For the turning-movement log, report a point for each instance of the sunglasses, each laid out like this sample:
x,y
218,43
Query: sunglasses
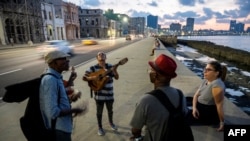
x,y
62,59
208,70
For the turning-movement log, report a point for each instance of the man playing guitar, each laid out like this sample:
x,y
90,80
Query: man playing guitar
x,y
105,94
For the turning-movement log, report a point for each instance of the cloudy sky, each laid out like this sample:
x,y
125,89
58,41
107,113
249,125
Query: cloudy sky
x,y
208,14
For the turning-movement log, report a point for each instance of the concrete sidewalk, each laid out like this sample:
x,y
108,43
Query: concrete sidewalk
x,y
133,83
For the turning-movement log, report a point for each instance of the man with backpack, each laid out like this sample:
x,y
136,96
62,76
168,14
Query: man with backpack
x,y
54,102
151,111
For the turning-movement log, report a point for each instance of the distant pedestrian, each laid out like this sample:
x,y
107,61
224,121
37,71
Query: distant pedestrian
x,y
156,46
209,98
11,41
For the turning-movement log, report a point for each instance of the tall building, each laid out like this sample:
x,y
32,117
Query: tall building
x,y
137,25
240,27
236,27
175,28
190,24
152,21
232,25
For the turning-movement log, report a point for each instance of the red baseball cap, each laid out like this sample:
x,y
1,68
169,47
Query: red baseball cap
x,y
164,65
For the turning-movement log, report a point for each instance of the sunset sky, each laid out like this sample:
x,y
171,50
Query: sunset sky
x,y
208,14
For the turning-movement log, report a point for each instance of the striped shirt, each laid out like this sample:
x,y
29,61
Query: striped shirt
x,y
106,93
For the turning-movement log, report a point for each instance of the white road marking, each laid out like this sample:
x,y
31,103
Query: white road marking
x,y
10,72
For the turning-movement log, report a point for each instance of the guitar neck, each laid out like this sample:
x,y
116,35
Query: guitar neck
x,y
72,75
70,81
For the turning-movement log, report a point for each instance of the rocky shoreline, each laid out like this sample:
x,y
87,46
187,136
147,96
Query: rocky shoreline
x,y
236,57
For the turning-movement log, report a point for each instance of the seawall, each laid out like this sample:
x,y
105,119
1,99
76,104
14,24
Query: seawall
x,y
238,57
168,40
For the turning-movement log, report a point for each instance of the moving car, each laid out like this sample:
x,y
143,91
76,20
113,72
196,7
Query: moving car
x,y
61,45
89,41
128,37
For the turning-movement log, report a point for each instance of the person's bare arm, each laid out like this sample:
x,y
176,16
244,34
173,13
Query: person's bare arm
x,y
218,95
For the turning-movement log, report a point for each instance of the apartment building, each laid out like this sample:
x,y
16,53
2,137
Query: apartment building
x,y
21,22
71,20
53,20
93,23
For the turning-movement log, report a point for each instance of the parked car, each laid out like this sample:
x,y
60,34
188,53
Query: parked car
x,y
61,45
89,41
128,37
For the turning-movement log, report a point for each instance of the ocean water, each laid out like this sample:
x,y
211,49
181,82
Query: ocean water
x,y
237,42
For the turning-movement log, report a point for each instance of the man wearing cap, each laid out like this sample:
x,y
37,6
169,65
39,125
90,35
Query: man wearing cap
x,y
106,94
149,111
54,102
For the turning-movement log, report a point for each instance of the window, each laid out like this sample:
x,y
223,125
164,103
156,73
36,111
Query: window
x,y
96,21
50,32
45,14
50,15
87,21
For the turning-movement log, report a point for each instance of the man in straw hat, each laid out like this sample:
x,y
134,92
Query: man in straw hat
x,y
54,102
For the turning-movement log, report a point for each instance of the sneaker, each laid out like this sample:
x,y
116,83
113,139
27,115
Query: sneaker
x,y
113,127
101,132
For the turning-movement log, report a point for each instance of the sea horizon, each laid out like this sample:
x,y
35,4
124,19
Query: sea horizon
x,y
236,42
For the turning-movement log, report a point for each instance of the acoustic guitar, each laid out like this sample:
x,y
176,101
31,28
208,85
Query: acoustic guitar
x,y
102,77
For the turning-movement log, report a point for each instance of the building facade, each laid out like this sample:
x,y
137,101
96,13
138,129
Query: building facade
x,y
137,25
175,28
190,24
93,23
232,27
123,21
152,21
53,20
236,27
21,22
71,21
53,24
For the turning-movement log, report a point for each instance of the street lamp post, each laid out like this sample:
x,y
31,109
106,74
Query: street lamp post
x,y
125,22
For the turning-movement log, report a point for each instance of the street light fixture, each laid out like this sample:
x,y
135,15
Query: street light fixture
x,y
124,22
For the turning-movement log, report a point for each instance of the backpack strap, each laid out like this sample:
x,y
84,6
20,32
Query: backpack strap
x,y
161,96
186,131
164,100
